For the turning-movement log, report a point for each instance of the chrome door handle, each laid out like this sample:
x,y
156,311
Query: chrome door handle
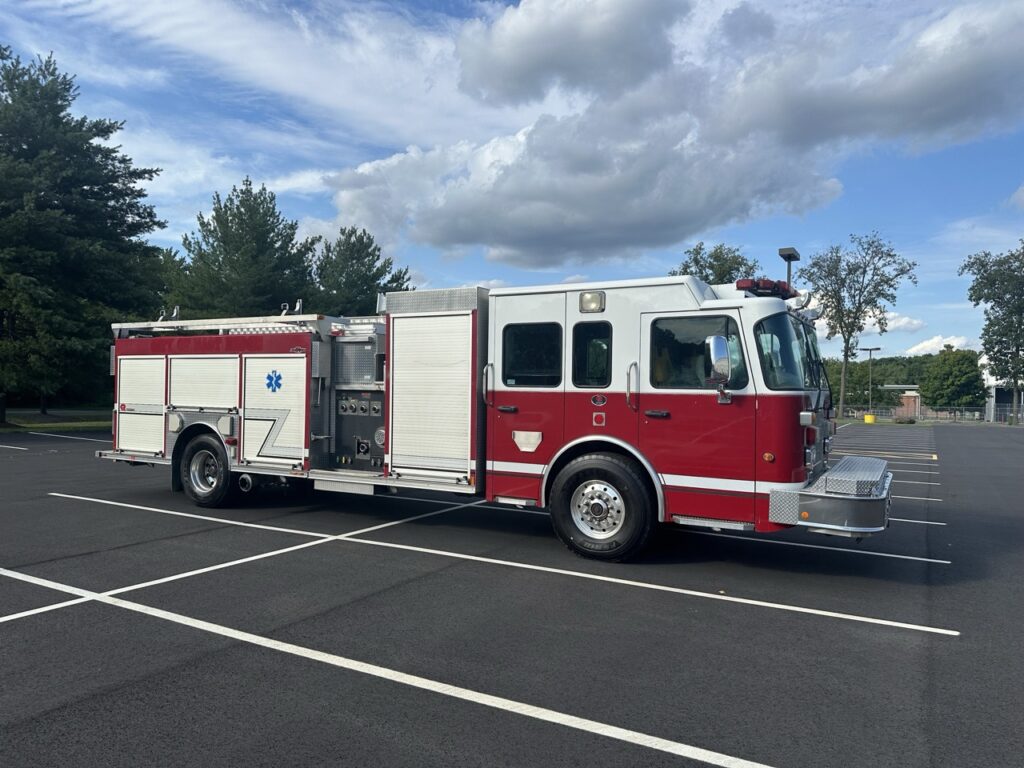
x,y
629,388
508,409
657,414
485,380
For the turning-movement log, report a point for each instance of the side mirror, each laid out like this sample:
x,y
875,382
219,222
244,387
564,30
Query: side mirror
x,y
717,351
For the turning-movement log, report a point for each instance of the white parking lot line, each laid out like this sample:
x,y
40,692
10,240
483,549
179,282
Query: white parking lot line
x,y
821,546
14,447
916,482
915,471
916,498
564,572
69,437
320,539
434,686
923,522
658,587
882,454
43,609
192,515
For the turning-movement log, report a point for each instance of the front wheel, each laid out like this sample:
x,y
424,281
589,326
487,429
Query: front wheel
x,y
204,472
601,507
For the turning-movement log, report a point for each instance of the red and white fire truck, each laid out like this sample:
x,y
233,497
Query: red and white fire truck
x,y
615,405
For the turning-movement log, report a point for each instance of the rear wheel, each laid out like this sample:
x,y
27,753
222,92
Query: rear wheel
x,y
204,472
601,507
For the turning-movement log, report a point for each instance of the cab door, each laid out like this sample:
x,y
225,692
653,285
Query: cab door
x,y
526,384
701,444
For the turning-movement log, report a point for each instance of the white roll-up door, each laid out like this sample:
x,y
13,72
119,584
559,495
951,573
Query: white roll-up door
x,y
431,392
141,383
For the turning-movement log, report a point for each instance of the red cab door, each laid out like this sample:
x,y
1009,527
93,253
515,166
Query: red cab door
x,y
701,444
526,407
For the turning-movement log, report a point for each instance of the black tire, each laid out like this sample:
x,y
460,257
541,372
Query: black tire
x,y
204,472
601,507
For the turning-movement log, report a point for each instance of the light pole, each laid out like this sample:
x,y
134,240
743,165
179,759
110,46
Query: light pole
x,y
869,350
789,255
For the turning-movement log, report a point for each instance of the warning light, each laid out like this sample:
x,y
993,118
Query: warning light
x,y
768,456
804,515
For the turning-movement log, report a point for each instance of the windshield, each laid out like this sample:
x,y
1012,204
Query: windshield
x,y
813,365
786,353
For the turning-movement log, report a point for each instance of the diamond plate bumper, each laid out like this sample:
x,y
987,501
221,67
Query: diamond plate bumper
x,y
851,499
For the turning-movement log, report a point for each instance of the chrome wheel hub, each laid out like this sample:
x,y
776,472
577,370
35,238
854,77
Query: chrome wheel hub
x,y
203,471
597,509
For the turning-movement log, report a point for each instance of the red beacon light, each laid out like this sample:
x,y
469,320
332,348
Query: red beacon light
x,y
765,287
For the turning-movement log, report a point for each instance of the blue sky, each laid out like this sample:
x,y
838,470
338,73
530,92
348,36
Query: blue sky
x,y
557,140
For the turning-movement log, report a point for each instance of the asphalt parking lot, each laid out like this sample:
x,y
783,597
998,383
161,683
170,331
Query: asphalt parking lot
x,y
136,629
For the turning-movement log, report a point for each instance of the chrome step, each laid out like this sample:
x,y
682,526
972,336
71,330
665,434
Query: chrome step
x,y
711,522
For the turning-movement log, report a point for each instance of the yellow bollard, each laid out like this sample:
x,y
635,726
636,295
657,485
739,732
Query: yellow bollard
x,y
869,418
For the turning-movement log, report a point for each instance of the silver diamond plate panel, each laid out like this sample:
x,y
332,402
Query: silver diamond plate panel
x,y
354,362
855,476
784,507
440,300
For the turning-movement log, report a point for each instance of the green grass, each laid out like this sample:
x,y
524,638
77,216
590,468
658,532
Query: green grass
x,y
63,419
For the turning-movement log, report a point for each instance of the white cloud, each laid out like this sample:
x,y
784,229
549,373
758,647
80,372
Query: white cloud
x,y
560,132
936,343
490,284
895,322
1017,198
303,182
596,46
387,79
688,145
575,279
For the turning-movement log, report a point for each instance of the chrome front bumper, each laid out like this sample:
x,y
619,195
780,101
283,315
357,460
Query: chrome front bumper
x,y
851,499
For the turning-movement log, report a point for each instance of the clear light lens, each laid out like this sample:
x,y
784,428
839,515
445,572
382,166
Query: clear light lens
x,y
592,301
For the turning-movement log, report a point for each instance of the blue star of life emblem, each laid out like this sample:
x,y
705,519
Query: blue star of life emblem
x,y
273,381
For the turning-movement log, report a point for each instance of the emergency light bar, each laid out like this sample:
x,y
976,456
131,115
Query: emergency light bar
x,y
765,287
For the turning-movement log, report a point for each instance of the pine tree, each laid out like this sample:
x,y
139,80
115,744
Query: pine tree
x,y
351,271
72,218
245,260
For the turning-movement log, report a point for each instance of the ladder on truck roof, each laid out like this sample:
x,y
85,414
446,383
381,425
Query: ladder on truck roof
x,y
322,324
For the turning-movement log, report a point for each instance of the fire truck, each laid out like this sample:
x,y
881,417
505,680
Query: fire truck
x,y
614,405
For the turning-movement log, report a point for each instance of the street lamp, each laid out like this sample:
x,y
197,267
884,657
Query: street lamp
x,y
869,350
789,255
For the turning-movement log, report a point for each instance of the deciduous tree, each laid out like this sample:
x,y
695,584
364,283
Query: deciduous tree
x,y
999,285
854,285
953,379
722,264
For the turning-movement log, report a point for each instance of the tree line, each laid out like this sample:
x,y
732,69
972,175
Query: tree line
x,y
74,256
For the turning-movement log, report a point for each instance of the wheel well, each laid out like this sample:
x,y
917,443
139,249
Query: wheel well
x,y
602,446
180,442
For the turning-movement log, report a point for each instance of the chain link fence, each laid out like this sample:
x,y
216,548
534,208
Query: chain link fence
x,y
1000,413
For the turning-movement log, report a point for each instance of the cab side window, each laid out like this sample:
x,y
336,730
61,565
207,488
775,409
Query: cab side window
x,y
592,354
532,355
679,358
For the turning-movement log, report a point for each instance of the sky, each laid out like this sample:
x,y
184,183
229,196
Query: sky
x,y
566,140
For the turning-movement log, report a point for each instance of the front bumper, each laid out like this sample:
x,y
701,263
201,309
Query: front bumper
x,y
851,499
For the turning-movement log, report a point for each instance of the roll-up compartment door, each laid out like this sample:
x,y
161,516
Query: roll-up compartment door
x,y
141,384
204,381
431,392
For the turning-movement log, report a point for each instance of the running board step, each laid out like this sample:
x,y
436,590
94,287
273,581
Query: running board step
x,y
711,522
